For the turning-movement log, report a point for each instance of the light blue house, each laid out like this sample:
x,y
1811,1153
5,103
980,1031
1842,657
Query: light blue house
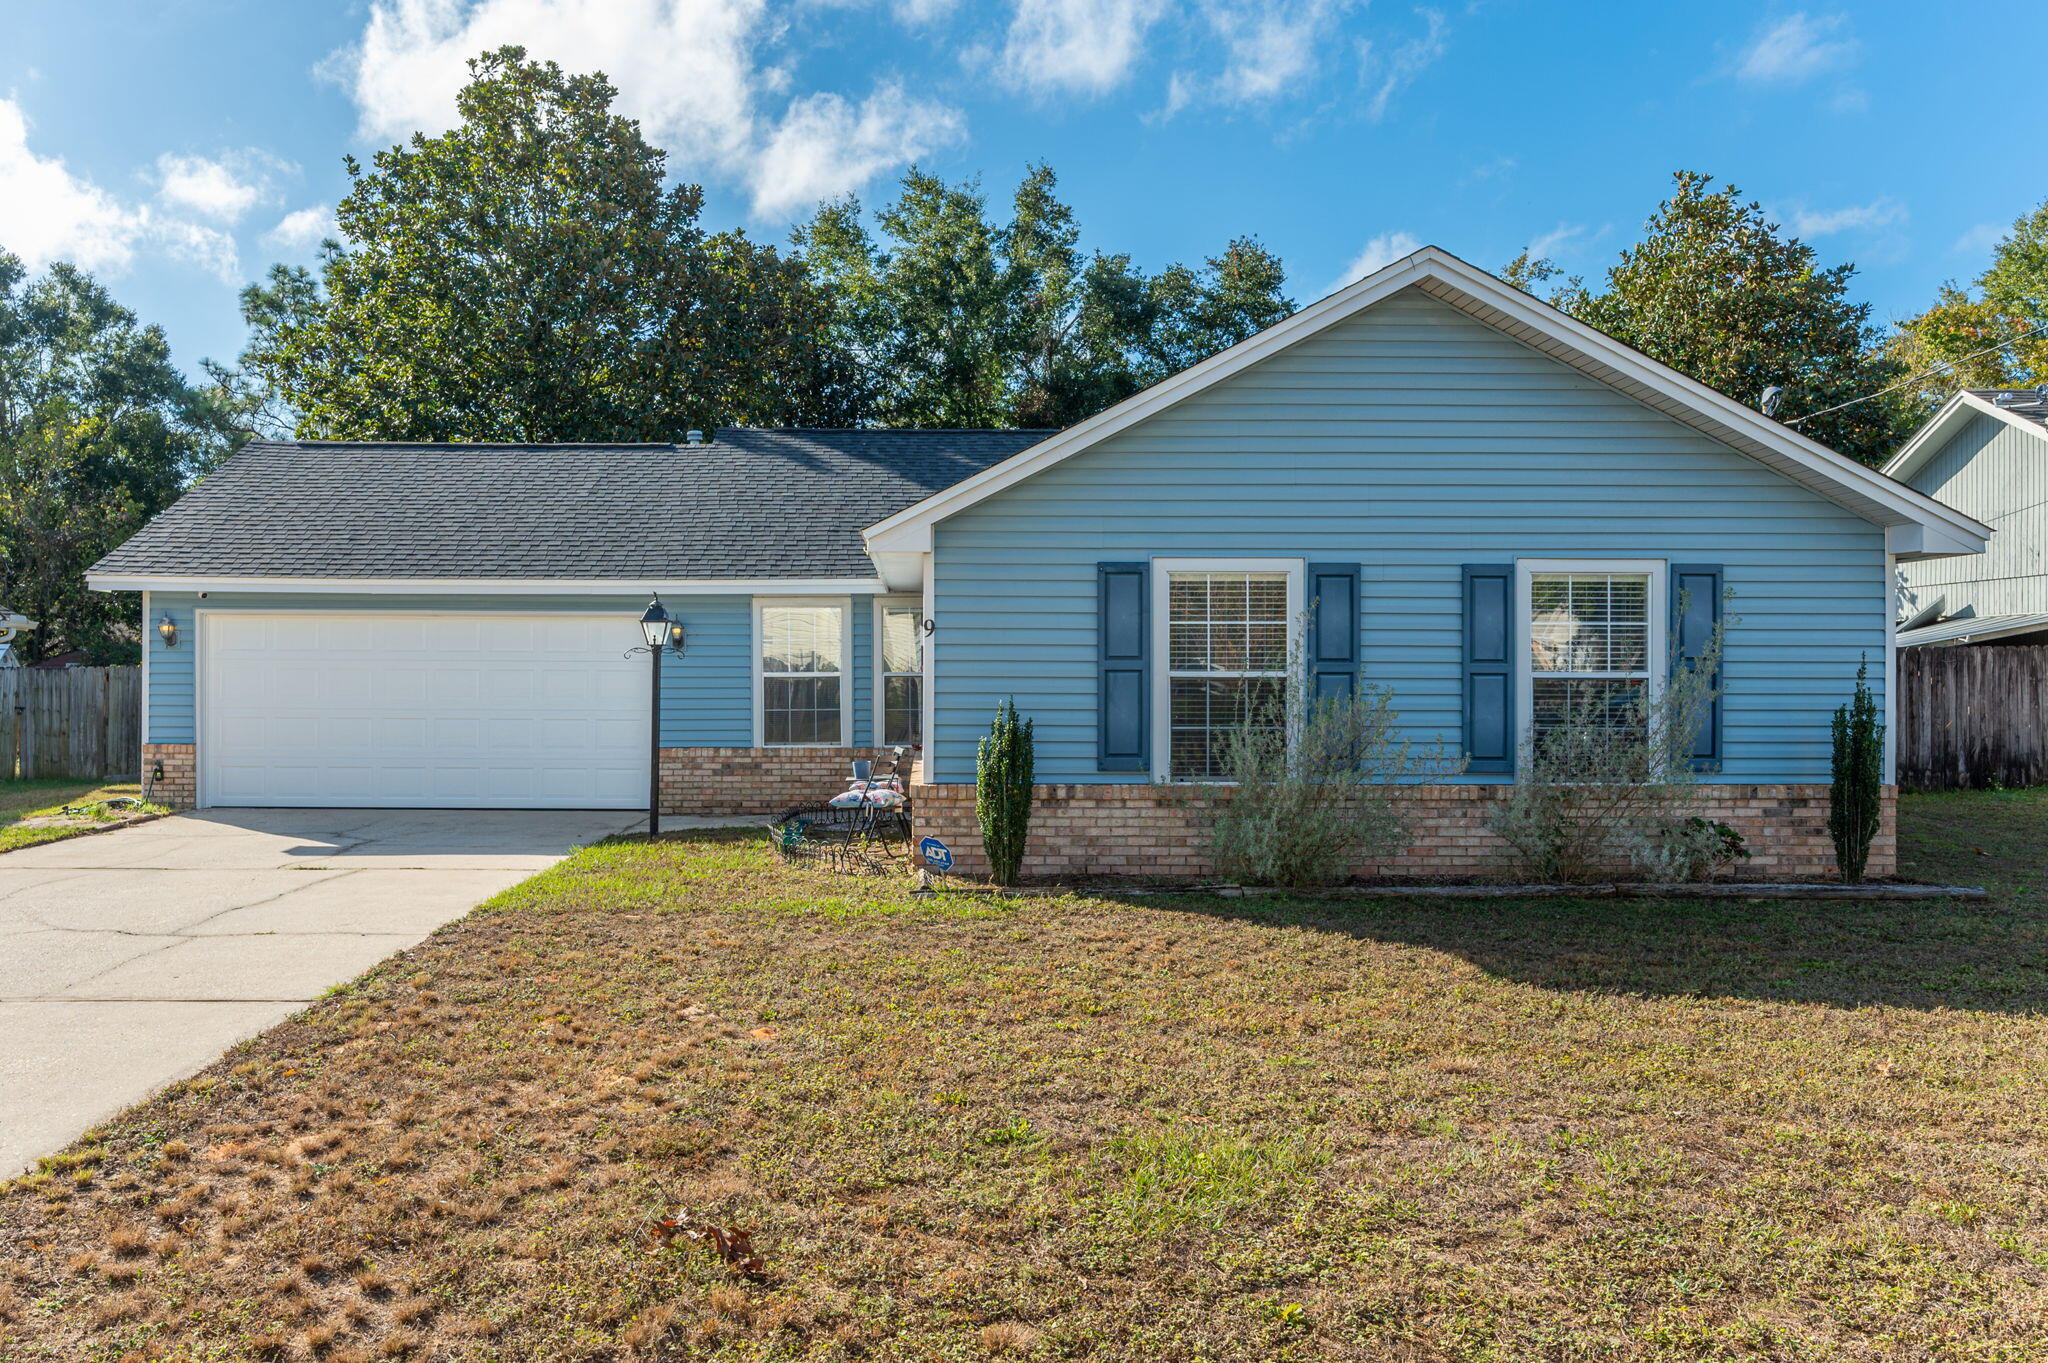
x,y
1429,480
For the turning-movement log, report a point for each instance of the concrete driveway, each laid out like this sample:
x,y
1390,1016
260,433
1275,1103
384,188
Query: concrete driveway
x,y
132,958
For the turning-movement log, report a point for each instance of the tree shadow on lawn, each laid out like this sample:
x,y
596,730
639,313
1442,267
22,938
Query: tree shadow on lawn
x,y
1986,955
1982,956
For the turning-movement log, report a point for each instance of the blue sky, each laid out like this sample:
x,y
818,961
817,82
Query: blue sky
x,y
177,147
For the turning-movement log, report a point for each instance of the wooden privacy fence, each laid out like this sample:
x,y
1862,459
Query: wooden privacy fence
x,y
1972,716
83,722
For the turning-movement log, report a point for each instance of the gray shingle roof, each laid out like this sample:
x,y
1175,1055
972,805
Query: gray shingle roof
x,y
2030,403
749,504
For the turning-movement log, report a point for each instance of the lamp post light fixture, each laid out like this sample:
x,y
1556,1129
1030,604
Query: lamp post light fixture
x,y
663,633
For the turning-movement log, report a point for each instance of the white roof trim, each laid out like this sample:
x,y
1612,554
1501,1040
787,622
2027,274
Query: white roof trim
x,y
487,586
1443,276
1953,416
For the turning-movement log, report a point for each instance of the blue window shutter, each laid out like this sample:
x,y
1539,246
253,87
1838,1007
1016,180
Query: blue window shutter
x,y
1695,610
1489,607
1123,739
1332,630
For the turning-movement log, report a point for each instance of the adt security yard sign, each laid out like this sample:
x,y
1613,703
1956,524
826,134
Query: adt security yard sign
x,y
936,854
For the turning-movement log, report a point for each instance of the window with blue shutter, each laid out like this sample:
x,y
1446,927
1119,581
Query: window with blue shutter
x,y
1332,630
1695,610
1489,680
1123,636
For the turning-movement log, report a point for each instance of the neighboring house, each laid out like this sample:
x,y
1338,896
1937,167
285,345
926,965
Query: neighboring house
x,y
1984,453
1396,482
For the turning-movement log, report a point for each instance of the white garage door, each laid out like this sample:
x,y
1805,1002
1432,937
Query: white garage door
x,y
456,711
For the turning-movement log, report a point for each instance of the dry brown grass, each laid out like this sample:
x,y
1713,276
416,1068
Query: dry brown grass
x,y
1059,1128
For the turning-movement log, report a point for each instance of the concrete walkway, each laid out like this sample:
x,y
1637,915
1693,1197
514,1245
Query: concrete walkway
x,y
132,958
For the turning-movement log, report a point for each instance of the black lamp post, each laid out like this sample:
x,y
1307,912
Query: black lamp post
x,y
662,632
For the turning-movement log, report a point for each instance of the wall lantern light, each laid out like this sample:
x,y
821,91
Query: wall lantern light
x,y
167,630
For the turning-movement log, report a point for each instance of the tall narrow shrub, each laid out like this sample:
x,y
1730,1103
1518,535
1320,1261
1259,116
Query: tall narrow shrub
x,y
1857,790
1002,792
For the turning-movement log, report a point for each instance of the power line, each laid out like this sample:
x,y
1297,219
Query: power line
x,y
1917,377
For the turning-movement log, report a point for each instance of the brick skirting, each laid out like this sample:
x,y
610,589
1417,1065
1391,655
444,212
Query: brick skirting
x,y
757,780
1160,831
180,785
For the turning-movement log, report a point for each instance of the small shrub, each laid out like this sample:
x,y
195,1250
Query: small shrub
x,y
1300,801
1608,790
1696,849
1002,792
1856,791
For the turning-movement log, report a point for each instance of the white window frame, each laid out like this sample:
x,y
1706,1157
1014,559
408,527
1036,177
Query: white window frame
x,y
1162,671
842,604
1659,608
915,605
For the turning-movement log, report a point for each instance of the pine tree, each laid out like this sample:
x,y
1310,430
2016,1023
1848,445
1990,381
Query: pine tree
x,y
1856,795
1002,792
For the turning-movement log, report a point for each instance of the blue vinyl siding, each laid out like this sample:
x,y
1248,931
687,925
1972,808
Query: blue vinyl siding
x,y
1410,439
707,695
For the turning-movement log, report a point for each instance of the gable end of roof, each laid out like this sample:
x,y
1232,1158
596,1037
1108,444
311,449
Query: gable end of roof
x,y
1916,525
1961,409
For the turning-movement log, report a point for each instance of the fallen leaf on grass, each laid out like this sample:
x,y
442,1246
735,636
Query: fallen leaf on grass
x,y
729,1244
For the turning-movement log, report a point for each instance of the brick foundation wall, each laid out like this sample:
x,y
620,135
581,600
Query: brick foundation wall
x,y
1160,832
180,787
720,781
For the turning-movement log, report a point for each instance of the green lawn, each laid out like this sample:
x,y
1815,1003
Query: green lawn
x,y
1160,1128
45,799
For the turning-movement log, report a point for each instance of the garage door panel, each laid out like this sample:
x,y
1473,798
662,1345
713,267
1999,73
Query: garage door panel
x,y
404,684
315,709
459,685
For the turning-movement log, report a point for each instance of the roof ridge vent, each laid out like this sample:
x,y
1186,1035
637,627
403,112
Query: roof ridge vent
x,y
693,437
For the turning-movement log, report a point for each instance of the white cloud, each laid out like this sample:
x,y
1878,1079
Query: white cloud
x,y
47,213
1387,76
209,248
1079,47
691,71
1796,48
1980,240
223,188
1553,241
1274,48
301,228
1882,211
1382,251
825,144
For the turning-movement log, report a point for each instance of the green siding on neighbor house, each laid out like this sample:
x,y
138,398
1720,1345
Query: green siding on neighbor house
x,y
1409,439
707,695
1998,473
